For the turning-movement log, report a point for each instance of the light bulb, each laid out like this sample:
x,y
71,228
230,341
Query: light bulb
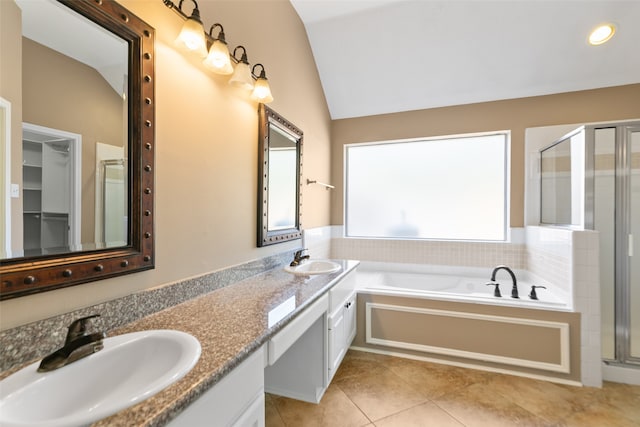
x,y
602,34
218,58
191,38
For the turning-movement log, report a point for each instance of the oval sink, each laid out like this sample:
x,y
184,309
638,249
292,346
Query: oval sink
x,y
129,369
311,267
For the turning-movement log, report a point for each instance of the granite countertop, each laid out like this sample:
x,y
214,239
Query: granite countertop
x,y
230,323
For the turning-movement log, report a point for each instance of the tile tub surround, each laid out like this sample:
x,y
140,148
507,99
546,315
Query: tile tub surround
x,y
230,324
35,340
468,254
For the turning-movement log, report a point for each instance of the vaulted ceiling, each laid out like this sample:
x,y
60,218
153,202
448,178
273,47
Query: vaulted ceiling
x,y
385,56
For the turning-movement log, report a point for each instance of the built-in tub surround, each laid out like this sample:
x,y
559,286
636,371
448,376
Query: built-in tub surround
x,y
566,258
230,324
464,284
569,258
448,314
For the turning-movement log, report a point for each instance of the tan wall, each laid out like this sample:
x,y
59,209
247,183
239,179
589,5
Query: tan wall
x,y
11,90
616,103
206,156
61,93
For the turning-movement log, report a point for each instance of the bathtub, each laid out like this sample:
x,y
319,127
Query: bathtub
x,y
459,284
449,315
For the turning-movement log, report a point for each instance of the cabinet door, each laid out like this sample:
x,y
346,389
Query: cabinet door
x,y
254,415
56,178
349,321
236,400
336,340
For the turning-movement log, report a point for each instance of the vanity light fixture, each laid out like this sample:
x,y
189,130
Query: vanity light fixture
x,y
242,75
218,59
602,34
261,89
191,36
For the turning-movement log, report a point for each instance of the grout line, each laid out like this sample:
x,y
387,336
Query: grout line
x,y
355,404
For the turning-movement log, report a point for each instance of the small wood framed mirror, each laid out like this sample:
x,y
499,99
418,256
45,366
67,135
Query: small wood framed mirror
x,y
279,178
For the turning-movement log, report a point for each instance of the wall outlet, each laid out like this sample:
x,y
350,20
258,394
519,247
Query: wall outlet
x,y
15,191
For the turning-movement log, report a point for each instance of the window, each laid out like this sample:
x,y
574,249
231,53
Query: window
x,y
450,188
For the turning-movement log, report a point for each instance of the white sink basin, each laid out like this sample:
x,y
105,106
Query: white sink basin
x,y
310,267
129,369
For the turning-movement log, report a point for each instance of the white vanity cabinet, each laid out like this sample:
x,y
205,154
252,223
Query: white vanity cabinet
x,y
297,362
342,321
236,401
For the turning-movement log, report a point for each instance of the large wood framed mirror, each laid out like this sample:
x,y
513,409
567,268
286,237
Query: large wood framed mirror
x,y
82,176
279,178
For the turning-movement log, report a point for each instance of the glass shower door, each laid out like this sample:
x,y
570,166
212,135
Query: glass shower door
x,y
633,138
615,161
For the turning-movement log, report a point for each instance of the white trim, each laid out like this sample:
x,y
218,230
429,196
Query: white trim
x,y
75,211
563,328
468,366
5,192
620,374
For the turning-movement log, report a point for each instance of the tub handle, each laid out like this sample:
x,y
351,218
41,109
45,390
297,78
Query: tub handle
x,y
496,291
533,294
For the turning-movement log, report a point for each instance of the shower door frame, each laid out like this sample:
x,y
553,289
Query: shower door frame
x,y
622,230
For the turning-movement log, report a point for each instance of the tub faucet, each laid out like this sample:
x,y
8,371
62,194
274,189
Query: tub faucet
x,y
298,257
514,289
77,345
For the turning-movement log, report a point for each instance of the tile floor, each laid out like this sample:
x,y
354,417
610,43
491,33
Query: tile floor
x,y
383,391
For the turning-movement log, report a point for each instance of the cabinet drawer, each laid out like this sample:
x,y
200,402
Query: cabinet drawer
x,y
341,292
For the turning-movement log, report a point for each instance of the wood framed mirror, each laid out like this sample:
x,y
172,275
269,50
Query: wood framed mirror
x,y
26,269
279,178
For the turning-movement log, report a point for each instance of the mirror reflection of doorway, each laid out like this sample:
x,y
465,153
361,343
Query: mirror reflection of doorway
x,y
111,229
50,190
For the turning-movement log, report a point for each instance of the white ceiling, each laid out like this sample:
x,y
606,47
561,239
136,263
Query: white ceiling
x,y
385,56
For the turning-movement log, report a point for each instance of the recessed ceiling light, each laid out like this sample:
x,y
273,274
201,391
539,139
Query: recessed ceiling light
x,y
601,34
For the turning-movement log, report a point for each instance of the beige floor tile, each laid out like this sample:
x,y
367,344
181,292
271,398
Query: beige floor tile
x,y
272,417
335,409
435,379
359,362
624,397
600,414
549,401
392,391
425,415
381,393
477,406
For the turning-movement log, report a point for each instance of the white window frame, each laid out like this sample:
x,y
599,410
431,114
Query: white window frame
x,y
507,184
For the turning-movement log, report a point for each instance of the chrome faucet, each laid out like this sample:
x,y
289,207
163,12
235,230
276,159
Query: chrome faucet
x,y
77,345
298,258
514,289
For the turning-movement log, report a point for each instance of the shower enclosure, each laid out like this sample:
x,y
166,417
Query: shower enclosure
x,y
612,192
590,179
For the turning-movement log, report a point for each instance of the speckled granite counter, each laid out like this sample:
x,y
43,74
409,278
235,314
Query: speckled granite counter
x,y
230,324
